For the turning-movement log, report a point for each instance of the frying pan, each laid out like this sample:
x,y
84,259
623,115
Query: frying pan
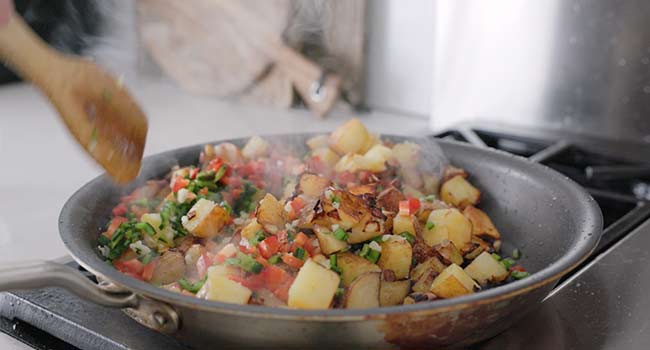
x,y
554,222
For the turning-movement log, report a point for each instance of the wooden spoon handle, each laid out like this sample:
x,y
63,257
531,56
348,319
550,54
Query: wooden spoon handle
x,y
27,54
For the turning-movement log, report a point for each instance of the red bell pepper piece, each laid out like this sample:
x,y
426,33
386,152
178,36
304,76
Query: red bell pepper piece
x,y
269,246
292,261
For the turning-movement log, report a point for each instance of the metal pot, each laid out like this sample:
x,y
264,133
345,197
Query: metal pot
x,y
551,219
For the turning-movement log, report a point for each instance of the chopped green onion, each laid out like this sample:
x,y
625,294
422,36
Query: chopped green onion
x,y
146,258
496,256
430,225
408,236
192,287
516,254
103,240
334,264
340,234
336,199
369,254
205,176
232,261
146,227
226,206
257,238
274,259
299,253
516,274
508,263
220,173
247,263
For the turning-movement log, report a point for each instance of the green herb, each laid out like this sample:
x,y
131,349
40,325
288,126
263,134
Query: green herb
x,y
496,256
334,264
246,263
274,259
124,235
369,254
220,173
340,234
409,237
226,206
103,240
192,287
245,200
199,184
290,236
519,274
145,259
205,176
508,263
257,238
430,225
336,199
146,227
299,253
516,254
171,214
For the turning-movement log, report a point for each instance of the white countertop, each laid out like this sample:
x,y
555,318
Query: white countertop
x,y
42,165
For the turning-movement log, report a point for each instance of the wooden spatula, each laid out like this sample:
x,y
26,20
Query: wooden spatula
x,y
96,108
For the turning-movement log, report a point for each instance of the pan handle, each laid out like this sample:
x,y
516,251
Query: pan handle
x,y
40,274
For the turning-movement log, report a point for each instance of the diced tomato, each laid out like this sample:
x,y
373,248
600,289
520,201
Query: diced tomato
x,y
119,210
517,268
292,261
409,207
300,239
178,183
414,205
202,265
147,272
269,246
311,248
247,249
193,173
214,165
345,177
115,223
275,277
133,266
283,291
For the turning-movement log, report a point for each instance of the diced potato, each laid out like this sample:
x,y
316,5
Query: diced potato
x,y
486,269
481,223
228,152
249,231
314,287
313,185
448,224
351,162
459,192
449,252
170,267
270,214
363,293
376,158
407,154
396,255
358,190
404,224
321,260
432,263
221,288
365,231
394,292
452,282
352,266
389,199
327,242
317,142
351,137
423,284
327,156
256,147
352,210
205,219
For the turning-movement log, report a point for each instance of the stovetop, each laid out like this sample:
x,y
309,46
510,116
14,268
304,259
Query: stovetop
x,y
602,304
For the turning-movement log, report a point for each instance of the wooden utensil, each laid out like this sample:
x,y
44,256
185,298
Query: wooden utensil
x,y
97,109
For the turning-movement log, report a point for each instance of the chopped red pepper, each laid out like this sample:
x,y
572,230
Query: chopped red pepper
x,y
297,204
214,165
292,261
179,183
517,268
133,266
193,173
202,265
119,210
409,207
115,223
300,239
269,246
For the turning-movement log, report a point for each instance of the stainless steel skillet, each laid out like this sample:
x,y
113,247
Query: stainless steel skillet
x,y
550,218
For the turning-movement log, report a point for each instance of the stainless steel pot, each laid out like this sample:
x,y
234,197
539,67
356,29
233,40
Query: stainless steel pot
x,y
551,219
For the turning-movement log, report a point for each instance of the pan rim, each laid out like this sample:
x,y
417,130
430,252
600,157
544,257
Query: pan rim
x,y
590,234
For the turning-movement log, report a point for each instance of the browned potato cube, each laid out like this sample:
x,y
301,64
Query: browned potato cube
x,y
205,219
486,269
448,224
396,255
351,137
394,292
453,282
327,242
313,185
363,293
404,224
423,284
352,266
481,223
431,263
459,192
449,253
389,199
270,214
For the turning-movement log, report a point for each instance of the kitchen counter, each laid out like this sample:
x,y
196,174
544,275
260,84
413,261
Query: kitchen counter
x,y
42,165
